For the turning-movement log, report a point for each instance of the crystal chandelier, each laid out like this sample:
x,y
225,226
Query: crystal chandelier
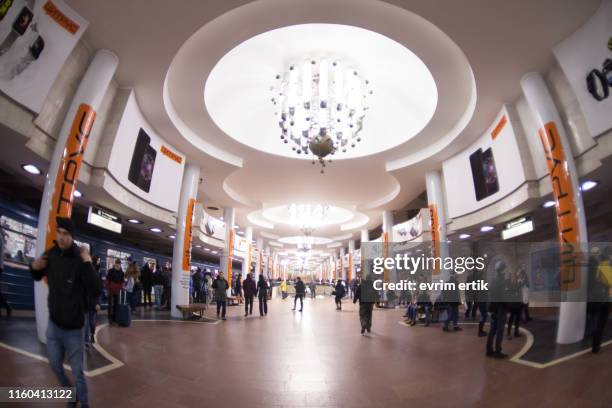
x,y
320,107
307,217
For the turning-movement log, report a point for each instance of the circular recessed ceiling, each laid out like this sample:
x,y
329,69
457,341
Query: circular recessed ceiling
x,y
237,91
282,214
297,240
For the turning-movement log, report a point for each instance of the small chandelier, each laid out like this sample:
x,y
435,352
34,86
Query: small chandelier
x,y
320,107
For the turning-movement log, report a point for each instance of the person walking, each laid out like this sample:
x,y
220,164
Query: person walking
x,y
3,302
238,288
146,278
300,291
220,286
93,307
365,294
72,281
339,292
114,280
262,295
312,285
250,290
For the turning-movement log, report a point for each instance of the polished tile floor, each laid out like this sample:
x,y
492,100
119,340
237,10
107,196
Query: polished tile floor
x,y
317,358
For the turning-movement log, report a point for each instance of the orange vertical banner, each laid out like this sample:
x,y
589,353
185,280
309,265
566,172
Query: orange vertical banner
x,y
434,222
187,236
68,170
567,214
349,275
230,252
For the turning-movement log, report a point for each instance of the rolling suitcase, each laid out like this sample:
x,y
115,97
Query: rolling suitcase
x,y
123,312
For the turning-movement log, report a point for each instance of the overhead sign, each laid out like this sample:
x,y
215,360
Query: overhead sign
x,y
104,219
517,227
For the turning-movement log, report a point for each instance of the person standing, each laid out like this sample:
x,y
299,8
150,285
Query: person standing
x,y
515,306
131,286
365,294
167,282
238,288
262,295
220,285
603,291
339,294
250,290
158,287
146,278
452,298
93,307
300,291
72,281
283,289
114,282
312,285
3,302
497,307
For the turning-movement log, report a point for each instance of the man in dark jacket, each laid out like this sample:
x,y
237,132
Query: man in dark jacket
x,y
499,311
262,295
146,278
72,281
452,299
114,281
221,285
3,302
300,292
250,289
365,294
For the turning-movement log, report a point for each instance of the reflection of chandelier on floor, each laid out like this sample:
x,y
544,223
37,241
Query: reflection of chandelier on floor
x,y
320,107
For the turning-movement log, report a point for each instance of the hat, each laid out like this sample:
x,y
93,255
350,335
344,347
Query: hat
x,y
66,224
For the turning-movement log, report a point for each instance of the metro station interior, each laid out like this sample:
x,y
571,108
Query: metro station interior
x,y
198,200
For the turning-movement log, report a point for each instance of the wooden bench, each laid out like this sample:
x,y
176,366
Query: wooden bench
x,y
194,308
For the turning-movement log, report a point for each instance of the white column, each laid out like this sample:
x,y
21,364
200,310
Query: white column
x,y
387,225
226,261
246,262
268,263
571,220
351,265
181,255
365,237
437,211
61,180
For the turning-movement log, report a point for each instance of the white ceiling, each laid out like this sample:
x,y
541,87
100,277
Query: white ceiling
x,y
476,53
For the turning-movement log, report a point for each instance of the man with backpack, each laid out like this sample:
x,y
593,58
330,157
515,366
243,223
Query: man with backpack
x,y
72,282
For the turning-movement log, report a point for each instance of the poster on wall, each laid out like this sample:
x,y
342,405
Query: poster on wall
x,y
36,38
411,229
144,163
586,60
487,171
213,227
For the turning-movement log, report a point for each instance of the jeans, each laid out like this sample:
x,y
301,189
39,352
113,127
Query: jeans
x,y
411,312
498,321
248,305
147,295
263,305
221,304
452,312
515,318
301,297
159,289
113,301
67,343
90,325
